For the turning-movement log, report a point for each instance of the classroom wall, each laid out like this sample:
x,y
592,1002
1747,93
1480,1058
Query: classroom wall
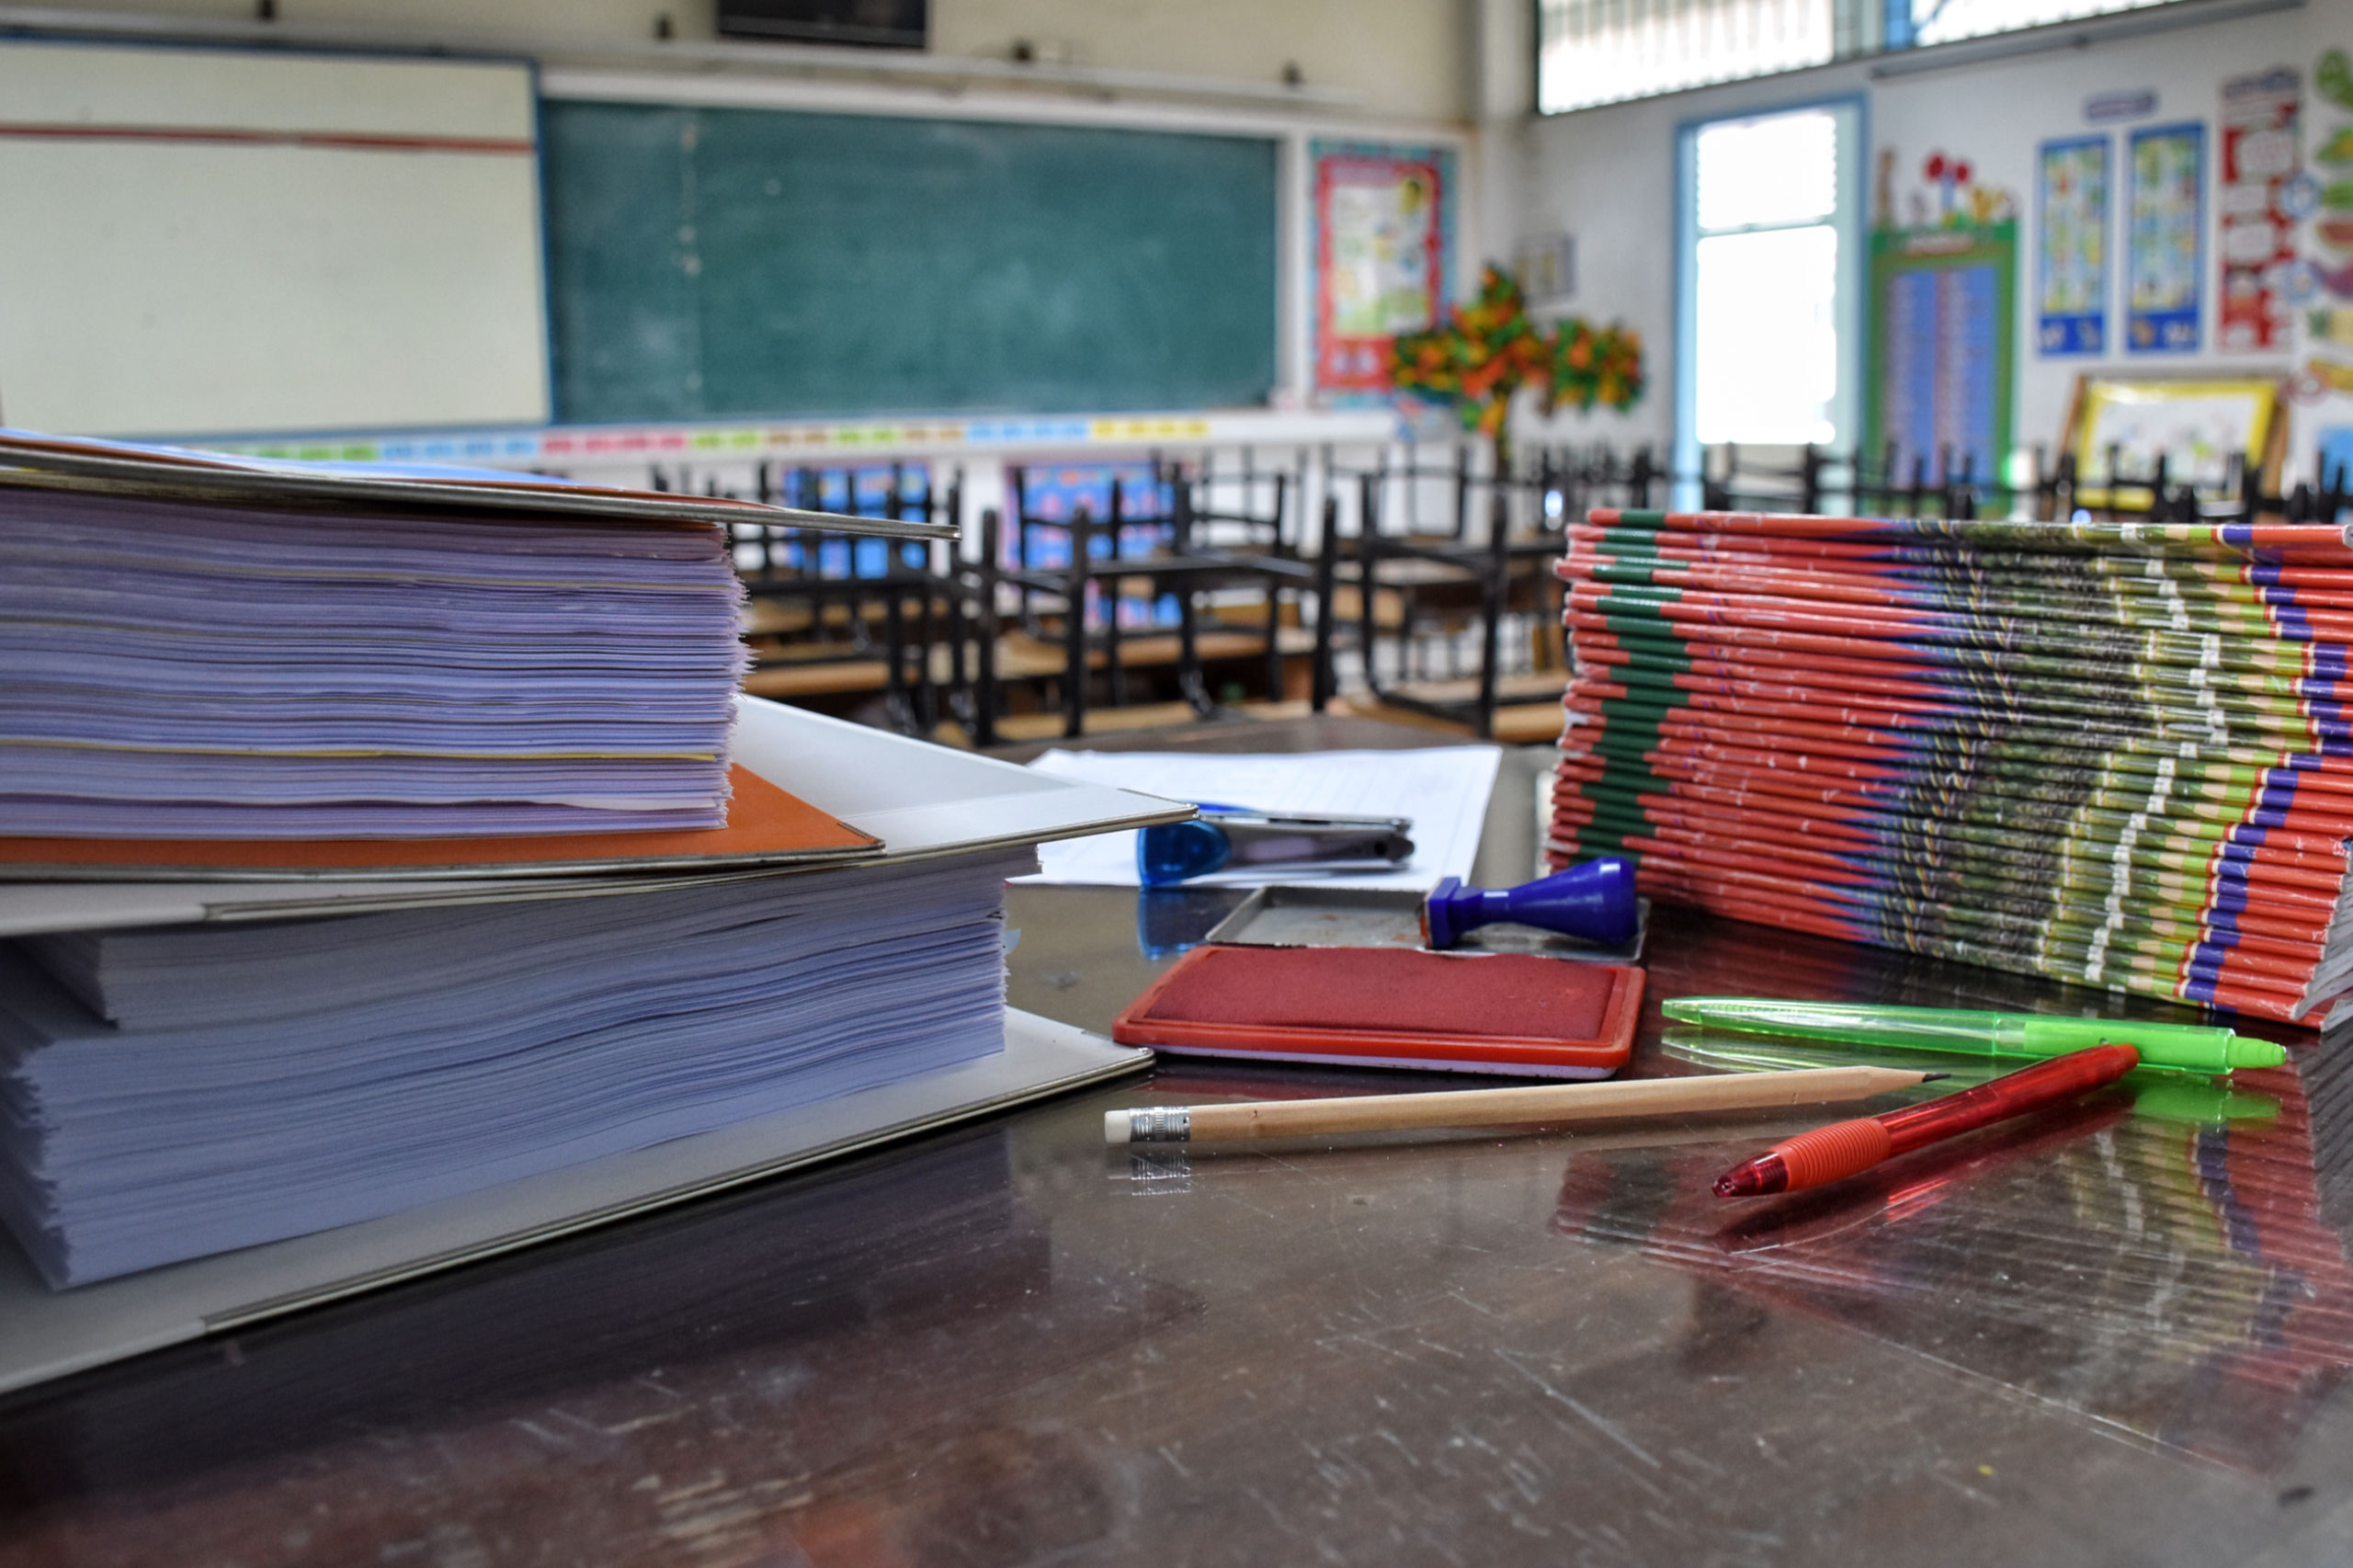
x,y
1405,58
1608,177
1406,69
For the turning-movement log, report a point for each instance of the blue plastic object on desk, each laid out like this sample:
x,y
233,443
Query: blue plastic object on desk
x,y
1594,902
1236,837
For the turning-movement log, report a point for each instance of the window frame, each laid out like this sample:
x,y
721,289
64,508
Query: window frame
x,y
1849,220
1869,31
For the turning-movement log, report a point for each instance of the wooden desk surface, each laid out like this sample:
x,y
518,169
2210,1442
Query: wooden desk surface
x,y
2117,1335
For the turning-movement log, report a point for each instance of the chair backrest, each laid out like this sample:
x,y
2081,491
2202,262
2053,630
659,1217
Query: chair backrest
x,y
1130,503
900,491
1241,504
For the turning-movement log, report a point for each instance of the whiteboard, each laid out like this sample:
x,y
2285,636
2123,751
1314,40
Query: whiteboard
x,y
205,242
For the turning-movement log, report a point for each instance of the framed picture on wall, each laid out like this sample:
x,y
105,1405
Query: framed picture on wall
x,y
1383,249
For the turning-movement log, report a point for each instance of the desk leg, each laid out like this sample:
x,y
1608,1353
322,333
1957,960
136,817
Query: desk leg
x,y
1074,627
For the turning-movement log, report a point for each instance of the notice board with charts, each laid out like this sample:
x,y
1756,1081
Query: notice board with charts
x,y
1938,374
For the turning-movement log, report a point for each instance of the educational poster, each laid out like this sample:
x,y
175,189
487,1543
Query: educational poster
x,y
1383,244
2070,264
1938,384
2259,152
2320,284
2165,239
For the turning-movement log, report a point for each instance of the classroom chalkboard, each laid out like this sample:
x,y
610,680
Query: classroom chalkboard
x,y
714,263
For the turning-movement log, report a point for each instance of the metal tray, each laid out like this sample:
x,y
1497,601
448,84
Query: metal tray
x,y
1391,917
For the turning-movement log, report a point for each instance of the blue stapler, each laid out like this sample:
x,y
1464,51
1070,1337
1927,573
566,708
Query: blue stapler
x,y
1232,837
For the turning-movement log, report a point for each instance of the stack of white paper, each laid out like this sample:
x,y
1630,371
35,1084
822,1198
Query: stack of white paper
x,y
172,1093
182,669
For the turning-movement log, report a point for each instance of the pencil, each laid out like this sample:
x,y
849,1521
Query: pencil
x,y
1552,1103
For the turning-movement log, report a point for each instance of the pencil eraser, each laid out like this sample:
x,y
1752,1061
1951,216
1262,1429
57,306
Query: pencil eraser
x,y
1115,1127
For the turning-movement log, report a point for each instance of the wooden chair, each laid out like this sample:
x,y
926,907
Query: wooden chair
x,y
1458,579
836,614
1072,593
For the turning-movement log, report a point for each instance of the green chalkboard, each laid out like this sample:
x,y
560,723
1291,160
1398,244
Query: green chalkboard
x,y
714,263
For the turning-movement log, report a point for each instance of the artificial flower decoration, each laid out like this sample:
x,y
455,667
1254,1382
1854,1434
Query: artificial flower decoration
x,y
1487,350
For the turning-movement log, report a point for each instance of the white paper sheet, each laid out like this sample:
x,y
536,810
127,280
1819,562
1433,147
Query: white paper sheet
x,y
1443,789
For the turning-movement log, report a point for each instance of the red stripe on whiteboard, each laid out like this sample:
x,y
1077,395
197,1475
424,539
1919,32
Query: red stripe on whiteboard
x,y
357,141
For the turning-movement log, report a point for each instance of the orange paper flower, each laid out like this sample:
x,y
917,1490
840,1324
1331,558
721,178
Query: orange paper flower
x,y
1488,350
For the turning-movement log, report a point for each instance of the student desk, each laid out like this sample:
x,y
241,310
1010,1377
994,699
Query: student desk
x,y
2109,1336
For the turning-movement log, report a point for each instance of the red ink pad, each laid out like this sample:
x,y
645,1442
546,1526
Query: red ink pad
x,y
1515,1013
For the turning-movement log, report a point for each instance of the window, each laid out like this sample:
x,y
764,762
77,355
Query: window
x,y
1602,51
1766,353
1912,23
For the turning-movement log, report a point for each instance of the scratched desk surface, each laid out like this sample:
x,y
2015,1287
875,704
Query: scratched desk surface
x,y
2117,1335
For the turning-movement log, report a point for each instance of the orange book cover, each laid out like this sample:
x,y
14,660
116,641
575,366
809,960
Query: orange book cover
x,y
766,827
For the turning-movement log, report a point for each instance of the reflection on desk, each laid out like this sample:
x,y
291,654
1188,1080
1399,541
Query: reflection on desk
x,y
2094,1337
2177,1284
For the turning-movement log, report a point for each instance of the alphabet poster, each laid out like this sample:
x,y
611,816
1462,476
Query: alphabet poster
x,y
2165,239
2071,271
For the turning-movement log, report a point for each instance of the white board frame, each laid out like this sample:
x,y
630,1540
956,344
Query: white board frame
x,y
208,242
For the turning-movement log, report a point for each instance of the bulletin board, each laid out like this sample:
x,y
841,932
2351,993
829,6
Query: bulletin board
x,y
201,242
1383,244
2198,422
1938,372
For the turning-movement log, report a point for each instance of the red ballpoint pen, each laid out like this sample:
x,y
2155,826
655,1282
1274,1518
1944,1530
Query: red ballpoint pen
x,y
1844,1148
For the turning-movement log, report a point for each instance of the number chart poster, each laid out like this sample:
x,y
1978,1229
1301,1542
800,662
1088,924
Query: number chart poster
x,y
2165,231
2260,154
1937,386
1383,244
2071,271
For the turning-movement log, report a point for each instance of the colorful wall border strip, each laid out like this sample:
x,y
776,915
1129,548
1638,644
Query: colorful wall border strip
x,y
589,446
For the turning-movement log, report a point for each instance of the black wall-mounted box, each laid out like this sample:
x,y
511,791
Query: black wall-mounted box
x,y
879,24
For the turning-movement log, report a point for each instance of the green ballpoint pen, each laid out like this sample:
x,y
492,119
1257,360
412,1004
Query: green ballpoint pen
x,y
2194,1048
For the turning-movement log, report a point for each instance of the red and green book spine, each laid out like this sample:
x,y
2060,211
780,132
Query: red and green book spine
x,y
2117,753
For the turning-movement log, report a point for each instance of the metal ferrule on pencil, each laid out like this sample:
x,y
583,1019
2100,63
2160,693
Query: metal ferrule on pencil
x,y
1156,1124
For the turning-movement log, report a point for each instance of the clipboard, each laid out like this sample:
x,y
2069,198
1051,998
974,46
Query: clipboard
x,y
920,801
917,798
127,468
